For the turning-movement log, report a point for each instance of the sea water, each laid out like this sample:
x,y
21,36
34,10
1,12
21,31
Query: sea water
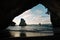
x,y
31,30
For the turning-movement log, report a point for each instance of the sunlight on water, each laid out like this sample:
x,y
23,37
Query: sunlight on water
x,y
31,31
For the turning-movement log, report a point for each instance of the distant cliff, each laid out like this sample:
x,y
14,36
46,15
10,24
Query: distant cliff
x,y
22,23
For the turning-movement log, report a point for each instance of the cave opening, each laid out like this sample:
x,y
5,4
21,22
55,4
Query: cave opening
x,y
37,20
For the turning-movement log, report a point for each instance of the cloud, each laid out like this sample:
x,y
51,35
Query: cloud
x,y
26,15
37,12
33,17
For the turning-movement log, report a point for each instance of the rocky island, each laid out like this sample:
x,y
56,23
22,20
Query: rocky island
x,y
22,23
40,24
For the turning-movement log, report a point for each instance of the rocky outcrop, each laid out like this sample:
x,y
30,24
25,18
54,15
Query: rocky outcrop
x,y
22,23
40,24
12,24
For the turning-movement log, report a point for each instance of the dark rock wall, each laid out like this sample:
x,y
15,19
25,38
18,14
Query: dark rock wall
x,y
11,9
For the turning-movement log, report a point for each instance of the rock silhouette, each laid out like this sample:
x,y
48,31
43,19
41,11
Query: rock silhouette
x,y
40,24
22,23
12,24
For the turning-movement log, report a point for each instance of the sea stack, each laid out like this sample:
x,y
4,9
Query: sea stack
x,y
40,24
22,23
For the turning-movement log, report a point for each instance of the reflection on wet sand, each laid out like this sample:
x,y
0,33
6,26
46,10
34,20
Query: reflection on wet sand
x,y
29,34
30,31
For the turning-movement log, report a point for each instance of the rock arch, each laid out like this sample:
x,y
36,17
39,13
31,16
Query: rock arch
x,y
11,9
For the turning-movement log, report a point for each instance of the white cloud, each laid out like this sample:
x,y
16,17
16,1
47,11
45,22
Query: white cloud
x,y
32,17
25,15
38,11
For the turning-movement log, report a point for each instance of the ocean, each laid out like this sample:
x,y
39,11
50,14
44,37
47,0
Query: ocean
x,y
31,30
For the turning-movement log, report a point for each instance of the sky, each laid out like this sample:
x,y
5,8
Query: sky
x,y
35,15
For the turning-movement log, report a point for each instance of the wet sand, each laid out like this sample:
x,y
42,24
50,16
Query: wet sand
x,y
30,34
30,31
